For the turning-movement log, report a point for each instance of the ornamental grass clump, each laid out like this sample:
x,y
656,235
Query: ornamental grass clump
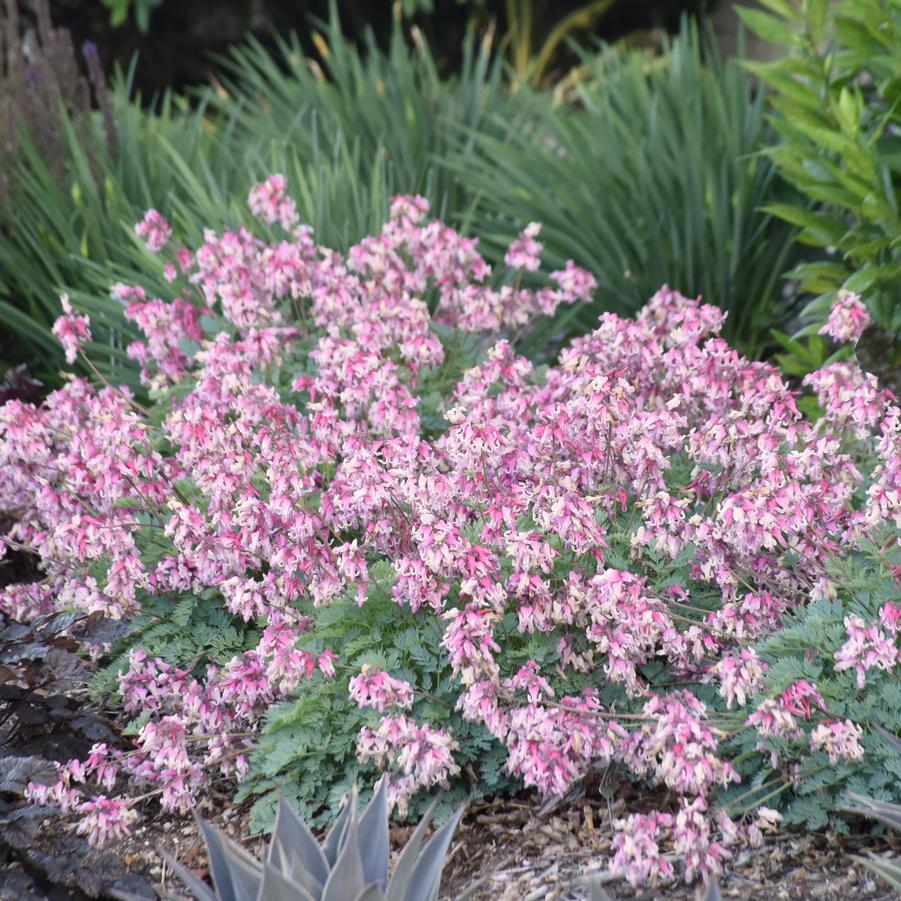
x,y
357,534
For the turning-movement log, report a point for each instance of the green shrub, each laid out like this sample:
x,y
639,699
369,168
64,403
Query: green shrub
x,y
383,523
835,105
806,648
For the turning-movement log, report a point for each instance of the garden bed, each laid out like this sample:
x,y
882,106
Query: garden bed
x,y
383,545
504,847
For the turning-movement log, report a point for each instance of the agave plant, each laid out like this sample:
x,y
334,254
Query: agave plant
x,y
351,864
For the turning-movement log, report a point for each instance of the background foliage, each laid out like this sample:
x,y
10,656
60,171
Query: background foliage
x,y
652,177
630,181
835,101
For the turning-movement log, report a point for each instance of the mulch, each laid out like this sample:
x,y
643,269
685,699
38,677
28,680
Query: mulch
x,y
513,854
503,851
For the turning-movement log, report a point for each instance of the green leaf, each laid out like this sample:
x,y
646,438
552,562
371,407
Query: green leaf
x,y
768,27
816,15
862,281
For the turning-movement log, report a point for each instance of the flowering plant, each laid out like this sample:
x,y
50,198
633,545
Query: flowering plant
x,y
380,524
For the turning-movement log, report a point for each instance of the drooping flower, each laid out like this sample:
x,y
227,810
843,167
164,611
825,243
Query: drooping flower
x,y
840,741
740,676
848,318
71,329
154,230
636,846
375,688
867,647
105,819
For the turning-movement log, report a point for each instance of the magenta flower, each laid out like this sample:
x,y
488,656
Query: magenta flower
x,y
848,318
154,230
375,688
71,329
105,819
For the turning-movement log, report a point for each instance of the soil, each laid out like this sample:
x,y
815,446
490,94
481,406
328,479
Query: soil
x,y
519,855
503,851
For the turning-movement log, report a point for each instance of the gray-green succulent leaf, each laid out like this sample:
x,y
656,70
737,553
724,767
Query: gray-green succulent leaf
x,y
351,864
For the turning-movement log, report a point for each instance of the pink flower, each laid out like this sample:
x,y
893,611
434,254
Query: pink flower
x,y
270,201
105,819
101,764
375,688
680,747
801,697
850,397
636,846
574,283
771,719
550,747
71,329
408,210
840,741
326,663
848,318
691,838
866,648
525,251
416,756
740,677
61,794
470,643
890,617
775,717
155,231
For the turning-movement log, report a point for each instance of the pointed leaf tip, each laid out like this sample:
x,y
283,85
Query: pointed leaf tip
x,y
236,874
375,847
295,852
425,878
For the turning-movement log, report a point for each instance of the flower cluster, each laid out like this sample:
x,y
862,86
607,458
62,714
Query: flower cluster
x,y
595,541
417,756
154,230
376,689
867,647
101,818
848,318
71,329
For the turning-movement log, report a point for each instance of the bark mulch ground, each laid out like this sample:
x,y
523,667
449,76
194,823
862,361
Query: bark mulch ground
x,y
505,851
